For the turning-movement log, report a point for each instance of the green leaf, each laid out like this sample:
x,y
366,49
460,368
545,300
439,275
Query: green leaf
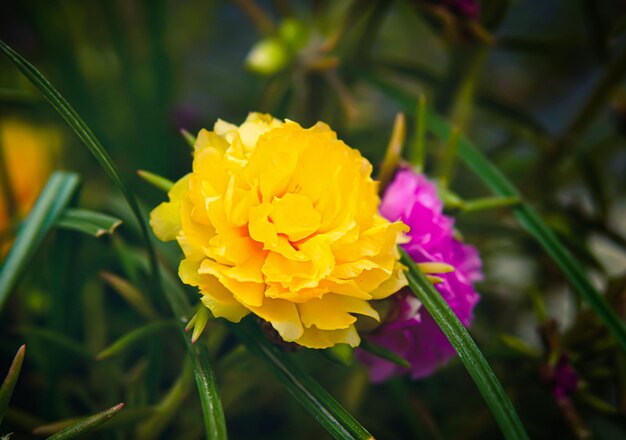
x,y
132,295
315,399
89,222
165,411
188,137
520,346
383,353
205,379
198,323
56,339
394,151
155,180
448,159
468,352
51,203
87,425
134,337
6,391
92,143
341,353
416,153
212,411
130,416
526,215
489,203
532,222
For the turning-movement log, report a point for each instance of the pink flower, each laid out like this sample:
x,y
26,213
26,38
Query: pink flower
x,y
409,330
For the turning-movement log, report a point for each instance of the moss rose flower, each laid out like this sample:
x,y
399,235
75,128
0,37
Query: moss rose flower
x,y
282,221
409,330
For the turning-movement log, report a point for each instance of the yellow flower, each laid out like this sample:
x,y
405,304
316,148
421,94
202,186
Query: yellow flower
x,y
28,152
282,221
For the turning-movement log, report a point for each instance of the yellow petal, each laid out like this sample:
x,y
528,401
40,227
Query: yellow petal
x,y
295,216
165,221
333,311
249,293
392,285
283,315
229,309
315,338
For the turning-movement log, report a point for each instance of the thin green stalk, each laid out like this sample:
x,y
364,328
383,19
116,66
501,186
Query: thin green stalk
x,y
50,205
532,222
417,152
212,411
88,222
87,425
393,153
489,203
468,352
448,159
526,215
155,180
128,417
132,338
166,409
10,380
92,143
188,137
383,353
205,379
56,340
315,399
132,295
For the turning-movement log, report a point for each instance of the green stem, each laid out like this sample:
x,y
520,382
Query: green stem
x,y
448,159
90,141
468,352
490,203
417,153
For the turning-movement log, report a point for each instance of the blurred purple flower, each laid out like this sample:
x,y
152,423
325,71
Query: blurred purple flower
x,y
462,8
565,379
409,330
466,8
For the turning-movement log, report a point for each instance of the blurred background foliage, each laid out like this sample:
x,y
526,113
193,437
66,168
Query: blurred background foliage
x,y
538,86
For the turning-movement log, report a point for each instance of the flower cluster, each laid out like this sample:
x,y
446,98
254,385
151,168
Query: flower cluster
x,y
410,331
283,222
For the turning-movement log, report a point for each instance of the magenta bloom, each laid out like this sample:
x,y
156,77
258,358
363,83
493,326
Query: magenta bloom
x,y
409,330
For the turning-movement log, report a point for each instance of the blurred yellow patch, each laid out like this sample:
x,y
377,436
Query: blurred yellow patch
x,y
282,221
29,152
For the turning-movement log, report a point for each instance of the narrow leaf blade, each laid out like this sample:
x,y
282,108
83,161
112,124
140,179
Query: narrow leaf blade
x,y
532,222
88,222
209,397
51,203
155,180
468,352
6,391
315,399
212,410
134,337
526,215
82,130
383,353
87,425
